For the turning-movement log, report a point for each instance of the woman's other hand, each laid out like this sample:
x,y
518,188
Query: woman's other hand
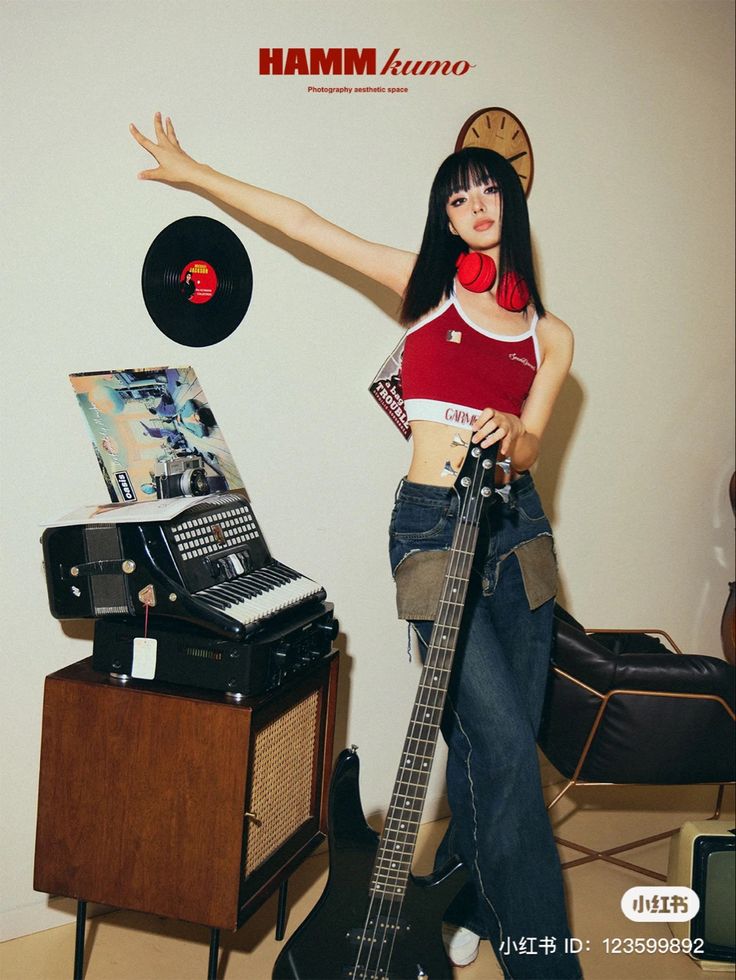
x,y
492,426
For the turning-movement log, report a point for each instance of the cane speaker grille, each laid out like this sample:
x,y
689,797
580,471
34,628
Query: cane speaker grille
x,y
283,777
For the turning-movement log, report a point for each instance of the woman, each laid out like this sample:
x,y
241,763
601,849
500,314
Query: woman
x,y
476,371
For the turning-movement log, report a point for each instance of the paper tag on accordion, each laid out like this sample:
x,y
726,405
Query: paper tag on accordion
x,y
144,658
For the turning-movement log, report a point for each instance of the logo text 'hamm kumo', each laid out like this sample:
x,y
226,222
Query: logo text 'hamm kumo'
x,y
350,61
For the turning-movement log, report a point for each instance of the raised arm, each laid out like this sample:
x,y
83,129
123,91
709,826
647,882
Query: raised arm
x,y
389,266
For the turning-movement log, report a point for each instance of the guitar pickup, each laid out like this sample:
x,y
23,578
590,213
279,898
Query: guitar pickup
x,y
389,929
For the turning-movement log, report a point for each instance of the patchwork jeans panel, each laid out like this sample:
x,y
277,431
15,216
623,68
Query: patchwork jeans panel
x,y
538,566
420,535
419,578
538,569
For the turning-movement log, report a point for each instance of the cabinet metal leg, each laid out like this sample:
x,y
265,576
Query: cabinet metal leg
x,y
79,940
281,913
214,950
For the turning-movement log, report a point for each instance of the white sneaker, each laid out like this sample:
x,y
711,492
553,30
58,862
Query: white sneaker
x,y
461,944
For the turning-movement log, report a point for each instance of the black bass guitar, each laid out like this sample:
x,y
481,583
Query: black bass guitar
x,y
376,920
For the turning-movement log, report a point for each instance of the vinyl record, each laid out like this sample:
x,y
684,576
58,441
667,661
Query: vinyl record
x,y
197,281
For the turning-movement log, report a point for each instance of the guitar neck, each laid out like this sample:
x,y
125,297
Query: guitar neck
x,y
398,840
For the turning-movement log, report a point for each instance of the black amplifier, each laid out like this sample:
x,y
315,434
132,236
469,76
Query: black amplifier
x,y
179,653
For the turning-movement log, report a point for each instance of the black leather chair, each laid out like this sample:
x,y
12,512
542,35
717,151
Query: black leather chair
x,y
623,708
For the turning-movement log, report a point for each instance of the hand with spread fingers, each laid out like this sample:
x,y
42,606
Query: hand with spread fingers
x,y
492,427
174,165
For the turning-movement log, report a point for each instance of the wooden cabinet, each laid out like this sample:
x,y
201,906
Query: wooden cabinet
x,y
177,802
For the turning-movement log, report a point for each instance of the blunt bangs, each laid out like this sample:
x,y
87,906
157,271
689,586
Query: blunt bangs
x,y
468,168
462,175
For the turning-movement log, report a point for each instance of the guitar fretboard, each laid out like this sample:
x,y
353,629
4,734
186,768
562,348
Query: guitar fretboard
x,y
398,841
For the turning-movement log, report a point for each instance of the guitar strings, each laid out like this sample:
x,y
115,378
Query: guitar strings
x,y
466,535
437,656
459,557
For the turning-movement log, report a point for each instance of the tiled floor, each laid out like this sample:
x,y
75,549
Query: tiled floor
x,y
133,946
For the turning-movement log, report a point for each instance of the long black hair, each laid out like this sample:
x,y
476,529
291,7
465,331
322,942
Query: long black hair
x,y
433,274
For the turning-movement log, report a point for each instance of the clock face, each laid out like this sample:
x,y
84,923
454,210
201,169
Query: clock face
x,y
498,129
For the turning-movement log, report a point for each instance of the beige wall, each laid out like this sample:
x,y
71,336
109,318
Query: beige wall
x,y
629,108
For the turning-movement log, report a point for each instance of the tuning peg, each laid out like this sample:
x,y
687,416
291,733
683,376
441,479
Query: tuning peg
x,y
504,464
447,470
457,440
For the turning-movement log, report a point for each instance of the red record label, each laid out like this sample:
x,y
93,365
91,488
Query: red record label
x,y
198,282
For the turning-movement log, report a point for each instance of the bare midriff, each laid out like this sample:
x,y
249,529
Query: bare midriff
x,y
435,447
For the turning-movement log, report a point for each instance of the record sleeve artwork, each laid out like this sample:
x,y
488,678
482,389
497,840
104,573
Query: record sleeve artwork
x,y
197,281
386,389
142,419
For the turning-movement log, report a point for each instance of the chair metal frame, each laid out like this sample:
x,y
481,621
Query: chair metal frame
x,y
608,854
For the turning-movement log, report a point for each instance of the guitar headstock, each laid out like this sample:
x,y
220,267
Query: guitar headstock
x,y
476,480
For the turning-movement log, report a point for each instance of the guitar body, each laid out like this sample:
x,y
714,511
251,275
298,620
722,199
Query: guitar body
x,y
325,946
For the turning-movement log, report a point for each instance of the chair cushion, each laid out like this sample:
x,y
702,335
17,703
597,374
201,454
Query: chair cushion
x,y
665,739
582,657
619,643
652,717
590,662
681,673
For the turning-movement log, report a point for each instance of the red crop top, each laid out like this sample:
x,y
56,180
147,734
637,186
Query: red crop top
x,y
452,369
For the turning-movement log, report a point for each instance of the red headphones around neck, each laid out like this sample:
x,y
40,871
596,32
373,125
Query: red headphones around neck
x,y
477,272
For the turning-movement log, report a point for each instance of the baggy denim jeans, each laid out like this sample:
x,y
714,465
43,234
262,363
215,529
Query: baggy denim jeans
x,y
499,826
